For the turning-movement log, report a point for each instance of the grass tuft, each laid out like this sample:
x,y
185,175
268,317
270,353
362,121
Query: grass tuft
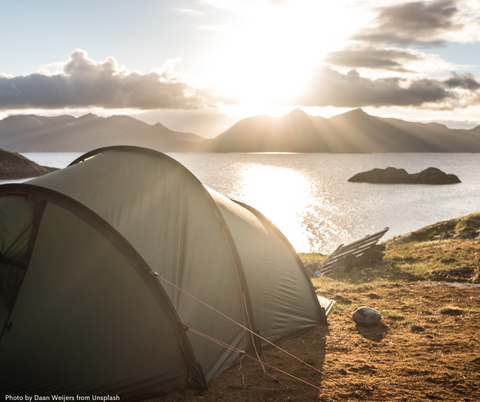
x,y
392,314
414,325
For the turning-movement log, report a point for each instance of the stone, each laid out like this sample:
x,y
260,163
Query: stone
x,y
441,236
392,175
463,235
366,316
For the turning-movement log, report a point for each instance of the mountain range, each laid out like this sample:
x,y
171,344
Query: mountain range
x,y
351,132
31,133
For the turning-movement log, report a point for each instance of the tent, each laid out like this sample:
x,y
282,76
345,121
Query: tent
x,y
122,274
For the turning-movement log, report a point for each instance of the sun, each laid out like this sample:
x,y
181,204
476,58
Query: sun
x,y
268,57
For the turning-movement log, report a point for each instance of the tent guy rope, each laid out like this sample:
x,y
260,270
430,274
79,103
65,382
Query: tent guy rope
x,y
235,322
242,353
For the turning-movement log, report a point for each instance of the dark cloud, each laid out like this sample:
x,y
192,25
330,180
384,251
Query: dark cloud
x,y
86,83
466,81
376,59
331,88
413,23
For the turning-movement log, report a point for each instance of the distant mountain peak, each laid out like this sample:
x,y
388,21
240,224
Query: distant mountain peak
x,y
88,116
355,113
358,111
298,112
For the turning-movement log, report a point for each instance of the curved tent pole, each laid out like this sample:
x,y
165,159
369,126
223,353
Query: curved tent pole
x,y
124,148
131,255
223,223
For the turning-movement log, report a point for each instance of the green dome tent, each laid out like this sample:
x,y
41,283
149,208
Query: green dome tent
x,y
115,270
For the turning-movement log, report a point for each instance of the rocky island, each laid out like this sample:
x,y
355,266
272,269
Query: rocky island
x,y
15,166
392,175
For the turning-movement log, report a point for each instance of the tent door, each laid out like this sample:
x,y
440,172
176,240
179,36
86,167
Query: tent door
x,y
19,221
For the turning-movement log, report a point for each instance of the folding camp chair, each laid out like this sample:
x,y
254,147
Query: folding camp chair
x,y
350,252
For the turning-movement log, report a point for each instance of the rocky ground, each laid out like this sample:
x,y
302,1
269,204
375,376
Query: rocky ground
x,y
426,347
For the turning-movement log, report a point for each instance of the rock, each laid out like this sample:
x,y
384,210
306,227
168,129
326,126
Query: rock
x,y
434,176
366,316
463,235
441,236
15,166
388,175
392,175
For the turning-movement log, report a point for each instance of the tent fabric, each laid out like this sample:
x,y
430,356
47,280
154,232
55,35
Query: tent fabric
x,y
271,269
80,318
105,265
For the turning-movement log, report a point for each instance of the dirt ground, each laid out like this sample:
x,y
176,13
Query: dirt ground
x,y
426,347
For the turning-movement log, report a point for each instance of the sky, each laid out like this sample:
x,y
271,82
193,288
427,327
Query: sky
x,y
201,65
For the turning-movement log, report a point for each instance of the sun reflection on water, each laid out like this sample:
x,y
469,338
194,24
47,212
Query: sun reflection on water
x,y
287,198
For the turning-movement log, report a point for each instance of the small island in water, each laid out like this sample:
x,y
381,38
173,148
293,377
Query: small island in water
x,y
15,166
392,175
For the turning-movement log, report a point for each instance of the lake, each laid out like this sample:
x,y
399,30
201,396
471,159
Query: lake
x,y
308,197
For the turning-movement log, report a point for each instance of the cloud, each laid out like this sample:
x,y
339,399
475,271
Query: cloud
x,y
397,60
331,88
467,81
376,59
420,23
86,83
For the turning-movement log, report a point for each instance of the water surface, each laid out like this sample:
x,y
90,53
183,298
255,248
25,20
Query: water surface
x,y
310,200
